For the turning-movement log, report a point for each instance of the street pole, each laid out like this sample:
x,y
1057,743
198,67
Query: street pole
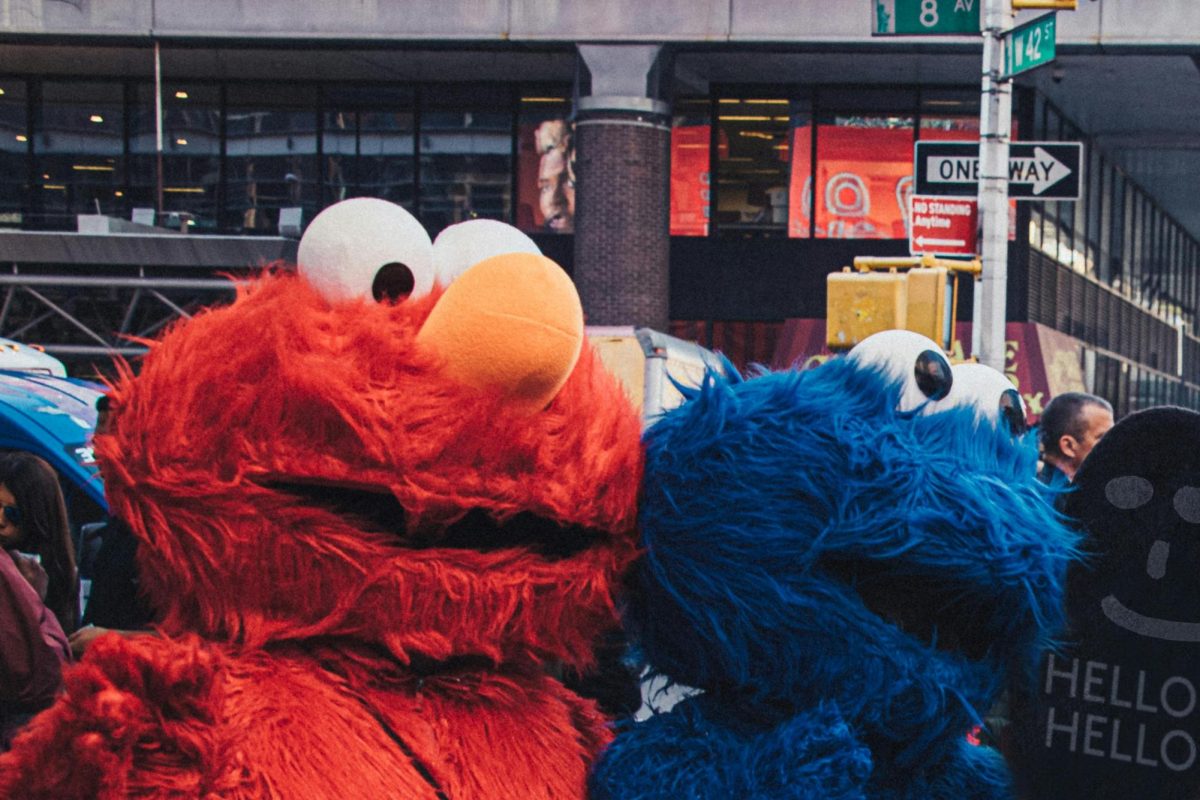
x,y
995,125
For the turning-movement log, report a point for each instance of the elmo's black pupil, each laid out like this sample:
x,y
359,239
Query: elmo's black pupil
x,y
392,282
933,375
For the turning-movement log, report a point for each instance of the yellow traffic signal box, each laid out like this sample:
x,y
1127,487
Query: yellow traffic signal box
x,y
927,304
876,296
861,303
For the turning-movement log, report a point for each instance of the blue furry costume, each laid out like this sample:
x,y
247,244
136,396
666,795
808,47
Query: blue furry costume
x,y
849,585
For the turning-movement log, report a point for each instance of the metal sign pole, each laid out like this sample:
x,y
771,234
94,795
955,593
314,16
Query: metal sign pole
x,y
995,124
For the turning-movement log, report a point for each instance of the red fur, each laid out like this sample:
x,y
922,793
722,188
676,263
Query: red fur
x,y
308,622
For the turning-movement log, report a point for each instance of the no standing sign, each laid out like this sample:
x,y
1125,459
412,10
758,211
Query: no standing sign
x,y
943,226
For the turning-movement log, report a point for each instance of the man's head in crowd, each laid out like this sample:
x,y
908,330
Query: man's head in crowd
x,y
1070,427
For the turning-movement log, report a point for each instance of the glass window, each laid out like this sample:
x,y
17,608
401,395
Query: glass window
x,y
1077,211
1104,235
941,127
1172,264
1154,276
271,155
864,176
1137,389
753,173
1166,232
800,191
691,190
1189,281
14,152
1035,226
1049,237
191,161
1116,238
1136,245
1093,197
1106,378
79,146
956,104
466,158
367,145
339,149
1154,271
1123,404
1178,259
1150,267
546,164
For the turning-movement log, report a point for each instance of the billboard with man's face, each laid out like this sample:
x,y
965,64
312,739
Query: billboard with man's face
x,y
546,176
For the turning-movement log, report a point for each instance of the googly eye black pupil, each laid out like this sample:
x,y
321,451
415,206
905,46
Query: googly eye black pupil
x,y
1012,413
393,282
933,375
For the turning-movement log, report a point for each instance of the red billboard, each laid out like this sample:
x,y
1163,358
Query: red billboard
x,y
546,176
864,175
690,180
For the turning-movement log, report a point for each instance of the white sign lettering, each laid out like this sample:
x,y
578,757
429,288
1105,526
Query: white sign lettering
x,y
1115,737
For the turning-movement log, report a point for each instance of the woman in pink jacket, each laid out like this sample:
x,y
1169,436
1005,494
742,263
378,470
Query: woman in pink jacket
x,y
33,647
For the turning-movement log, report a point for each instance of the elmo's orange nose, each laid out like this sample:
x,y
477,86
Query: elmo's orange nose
x,y
511,322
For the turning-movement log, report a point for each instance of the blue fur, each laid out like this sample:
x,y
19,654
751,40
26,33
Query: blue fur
x,y
761,499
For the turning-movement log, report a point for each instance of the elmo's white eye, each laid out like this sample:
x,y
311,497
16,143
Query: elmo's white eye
x,y
366,247
909,357
987,391
464,245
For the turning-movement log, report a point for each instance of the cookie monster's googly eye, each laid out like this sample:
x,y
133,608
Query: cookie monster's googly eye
x,y
366,248
933,376
461,246
1128,492
989,393
1012,411
913,360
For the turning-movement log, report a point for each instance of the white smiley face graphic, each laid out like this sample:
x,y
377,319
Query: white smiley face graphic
x,y
1129,492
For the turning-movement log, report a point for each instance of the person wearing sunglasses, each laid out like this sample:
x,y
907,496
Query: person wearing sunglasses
x,y
33,645
33,522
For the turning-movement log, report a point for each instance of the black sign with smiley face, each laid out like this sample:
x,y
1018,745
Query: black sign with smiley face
x,y
1138,497
1115,712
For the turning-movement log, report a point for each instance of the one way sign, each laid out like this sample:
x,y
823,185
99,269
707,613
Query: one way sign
x,y
1036,170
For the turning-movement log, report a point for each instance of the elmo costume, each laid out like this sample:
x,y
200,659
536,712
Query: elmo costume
x,y
849,580
374,514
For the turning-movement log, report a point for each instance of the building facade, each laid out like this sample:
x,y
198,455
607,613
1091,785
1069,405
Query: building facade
x,y
697,166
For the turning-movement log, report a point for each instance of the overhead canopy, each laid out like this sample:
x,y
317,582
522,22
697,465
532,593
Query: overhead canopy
x,y
160,250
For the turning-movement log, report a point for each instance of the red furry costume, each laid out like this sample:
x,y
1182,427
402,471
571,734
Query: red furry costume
x,y
331,656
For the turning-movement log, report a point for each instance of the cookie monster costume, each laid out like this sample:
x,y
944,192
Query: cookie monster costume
x,y
375,515
849,563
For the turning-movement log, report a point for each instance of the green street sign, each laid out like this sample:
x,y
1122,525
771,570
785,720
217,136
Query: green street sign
x,y
925,17
1029,45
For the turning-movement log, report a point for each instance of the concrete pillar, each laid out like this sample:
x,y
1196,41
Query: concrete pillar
x,y
622,241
